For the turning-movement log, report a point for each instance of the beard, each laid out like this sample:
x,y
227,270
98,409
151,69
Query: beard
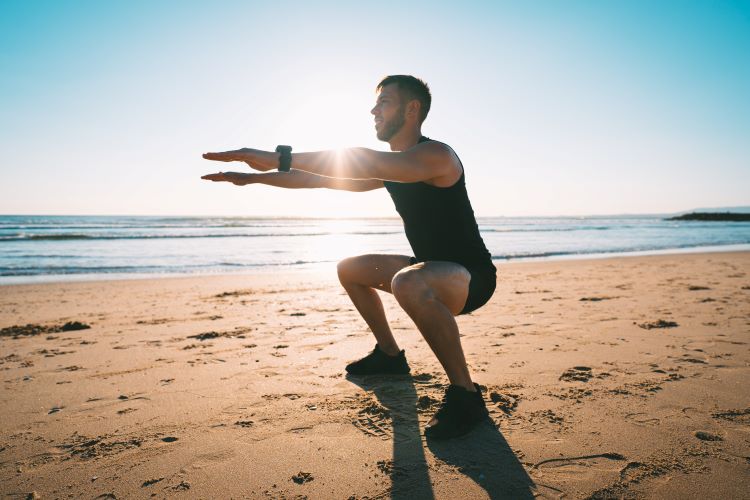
x,y
391,127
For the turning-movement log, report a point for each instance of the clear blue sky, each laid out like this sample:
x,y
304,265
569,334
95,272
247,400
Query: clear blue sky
x,y
554,107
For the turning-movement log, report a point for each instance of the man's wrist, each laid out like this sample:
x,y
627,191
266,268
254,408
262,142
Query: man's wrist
x,y
285,158
266,160
275,158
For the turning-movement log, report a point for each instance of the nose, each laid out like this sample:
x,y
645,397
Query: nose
x,y
372,111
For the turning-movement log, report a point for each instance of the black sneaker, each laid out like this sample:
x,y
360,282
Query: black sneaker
x,y
379,363
460,412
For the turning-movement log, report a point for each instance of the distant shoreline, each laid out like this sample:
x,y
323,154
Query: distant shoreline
x,y
714,216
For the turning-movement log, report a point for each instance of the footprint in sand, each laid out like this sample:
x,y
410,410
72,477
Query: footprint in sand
x,y
577,374
72,368
374,420
574,473
205,336
574,394
707,436
658,324
18,331
155,321
546,417
50,353
235,293
642,419
738,416
85,448
303,477
686,358
183,486
427,404
504,401
151,482
388,468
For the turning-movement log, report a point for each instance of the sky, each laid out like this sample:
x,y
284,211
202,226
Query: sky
x,y
555,108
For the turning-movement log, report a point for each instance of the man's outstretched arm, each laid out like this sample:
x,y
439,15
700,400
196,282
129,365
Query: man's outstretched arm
x,y
422,162
295,179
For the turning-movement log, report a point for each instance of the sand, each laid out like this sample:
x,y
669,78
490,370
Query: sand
x,y
612,378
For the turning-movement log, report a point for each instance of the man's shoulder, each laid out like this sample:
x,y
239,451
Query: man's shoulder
x,y
440,153
437,150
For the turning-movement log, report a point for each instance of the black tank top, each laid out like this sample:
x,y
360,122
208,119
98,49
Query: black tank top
x,y
440,223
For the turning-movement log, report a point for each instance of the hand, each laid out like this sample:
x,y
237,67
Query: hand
x,y
236,178
236,155
255,158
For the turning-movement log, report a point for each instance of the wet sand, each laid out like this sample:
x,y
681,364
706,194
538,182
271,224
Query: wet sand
x,y
623,377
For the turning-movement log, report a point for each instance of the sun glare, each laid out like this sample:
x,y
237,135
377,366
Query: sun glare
x,y
328,120
337,240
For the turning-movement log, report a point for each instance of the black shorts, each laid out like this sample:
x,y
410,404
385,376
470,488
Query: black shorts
x,y
481,287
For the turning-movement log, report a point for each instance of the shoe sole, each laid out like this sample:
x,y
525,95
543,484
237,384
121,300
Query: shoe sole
x,y
386,374
436,435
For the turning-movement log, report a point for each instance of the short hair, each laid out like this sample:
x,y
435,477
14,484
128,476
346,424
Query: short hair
x,y
410,88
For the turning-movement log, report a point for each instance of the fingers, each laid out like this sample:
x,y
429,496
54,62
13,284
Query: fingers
x,y
235,178
222,156
217,177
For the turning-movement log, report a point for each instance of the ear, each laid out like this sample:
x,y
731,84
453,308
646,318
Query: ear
x,y
413,107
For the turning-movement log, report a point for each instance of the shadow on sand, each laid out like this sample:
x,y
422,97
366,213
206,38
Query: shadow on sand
x,y
483,455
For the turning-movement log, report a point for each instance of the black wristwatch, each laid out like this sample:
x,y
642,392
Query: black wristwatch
x,y
285,160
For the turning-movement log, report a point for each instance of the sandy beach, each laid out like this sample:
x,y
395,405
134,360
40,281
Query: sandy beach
x,y
605,378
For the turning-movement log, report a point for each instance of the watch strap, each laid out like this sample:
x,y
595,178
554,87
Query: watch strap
x,y
285,158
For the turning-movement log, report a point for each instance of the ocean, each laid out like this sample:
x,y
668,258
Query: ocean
x,y
53,248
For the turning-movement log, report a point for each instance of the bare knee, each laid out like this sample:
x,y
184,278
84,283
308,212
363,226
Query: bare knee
x,y
345,269
410,289
353,270
372,270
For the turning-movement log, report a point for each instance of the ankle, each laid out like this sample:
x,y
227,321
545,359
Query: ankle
x,y
468,386
391,350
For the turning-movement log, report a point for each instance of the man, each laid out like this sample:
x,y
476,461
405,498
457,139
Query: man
x,y
451,272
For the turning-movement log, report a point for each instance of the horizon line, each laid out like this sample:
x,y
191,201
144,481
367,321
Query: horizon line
x,y
266,216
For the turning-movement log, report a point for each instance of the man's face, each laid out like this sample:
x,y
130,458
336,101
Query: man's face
x,y
389,113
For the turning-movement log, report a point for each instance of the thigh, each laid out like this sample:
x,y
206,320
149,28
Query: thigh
x,y
481,288
448,281
373,270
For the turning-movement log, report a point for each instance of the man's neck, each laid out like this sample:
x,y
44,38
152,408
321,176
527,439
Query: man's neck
x,y
405,139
